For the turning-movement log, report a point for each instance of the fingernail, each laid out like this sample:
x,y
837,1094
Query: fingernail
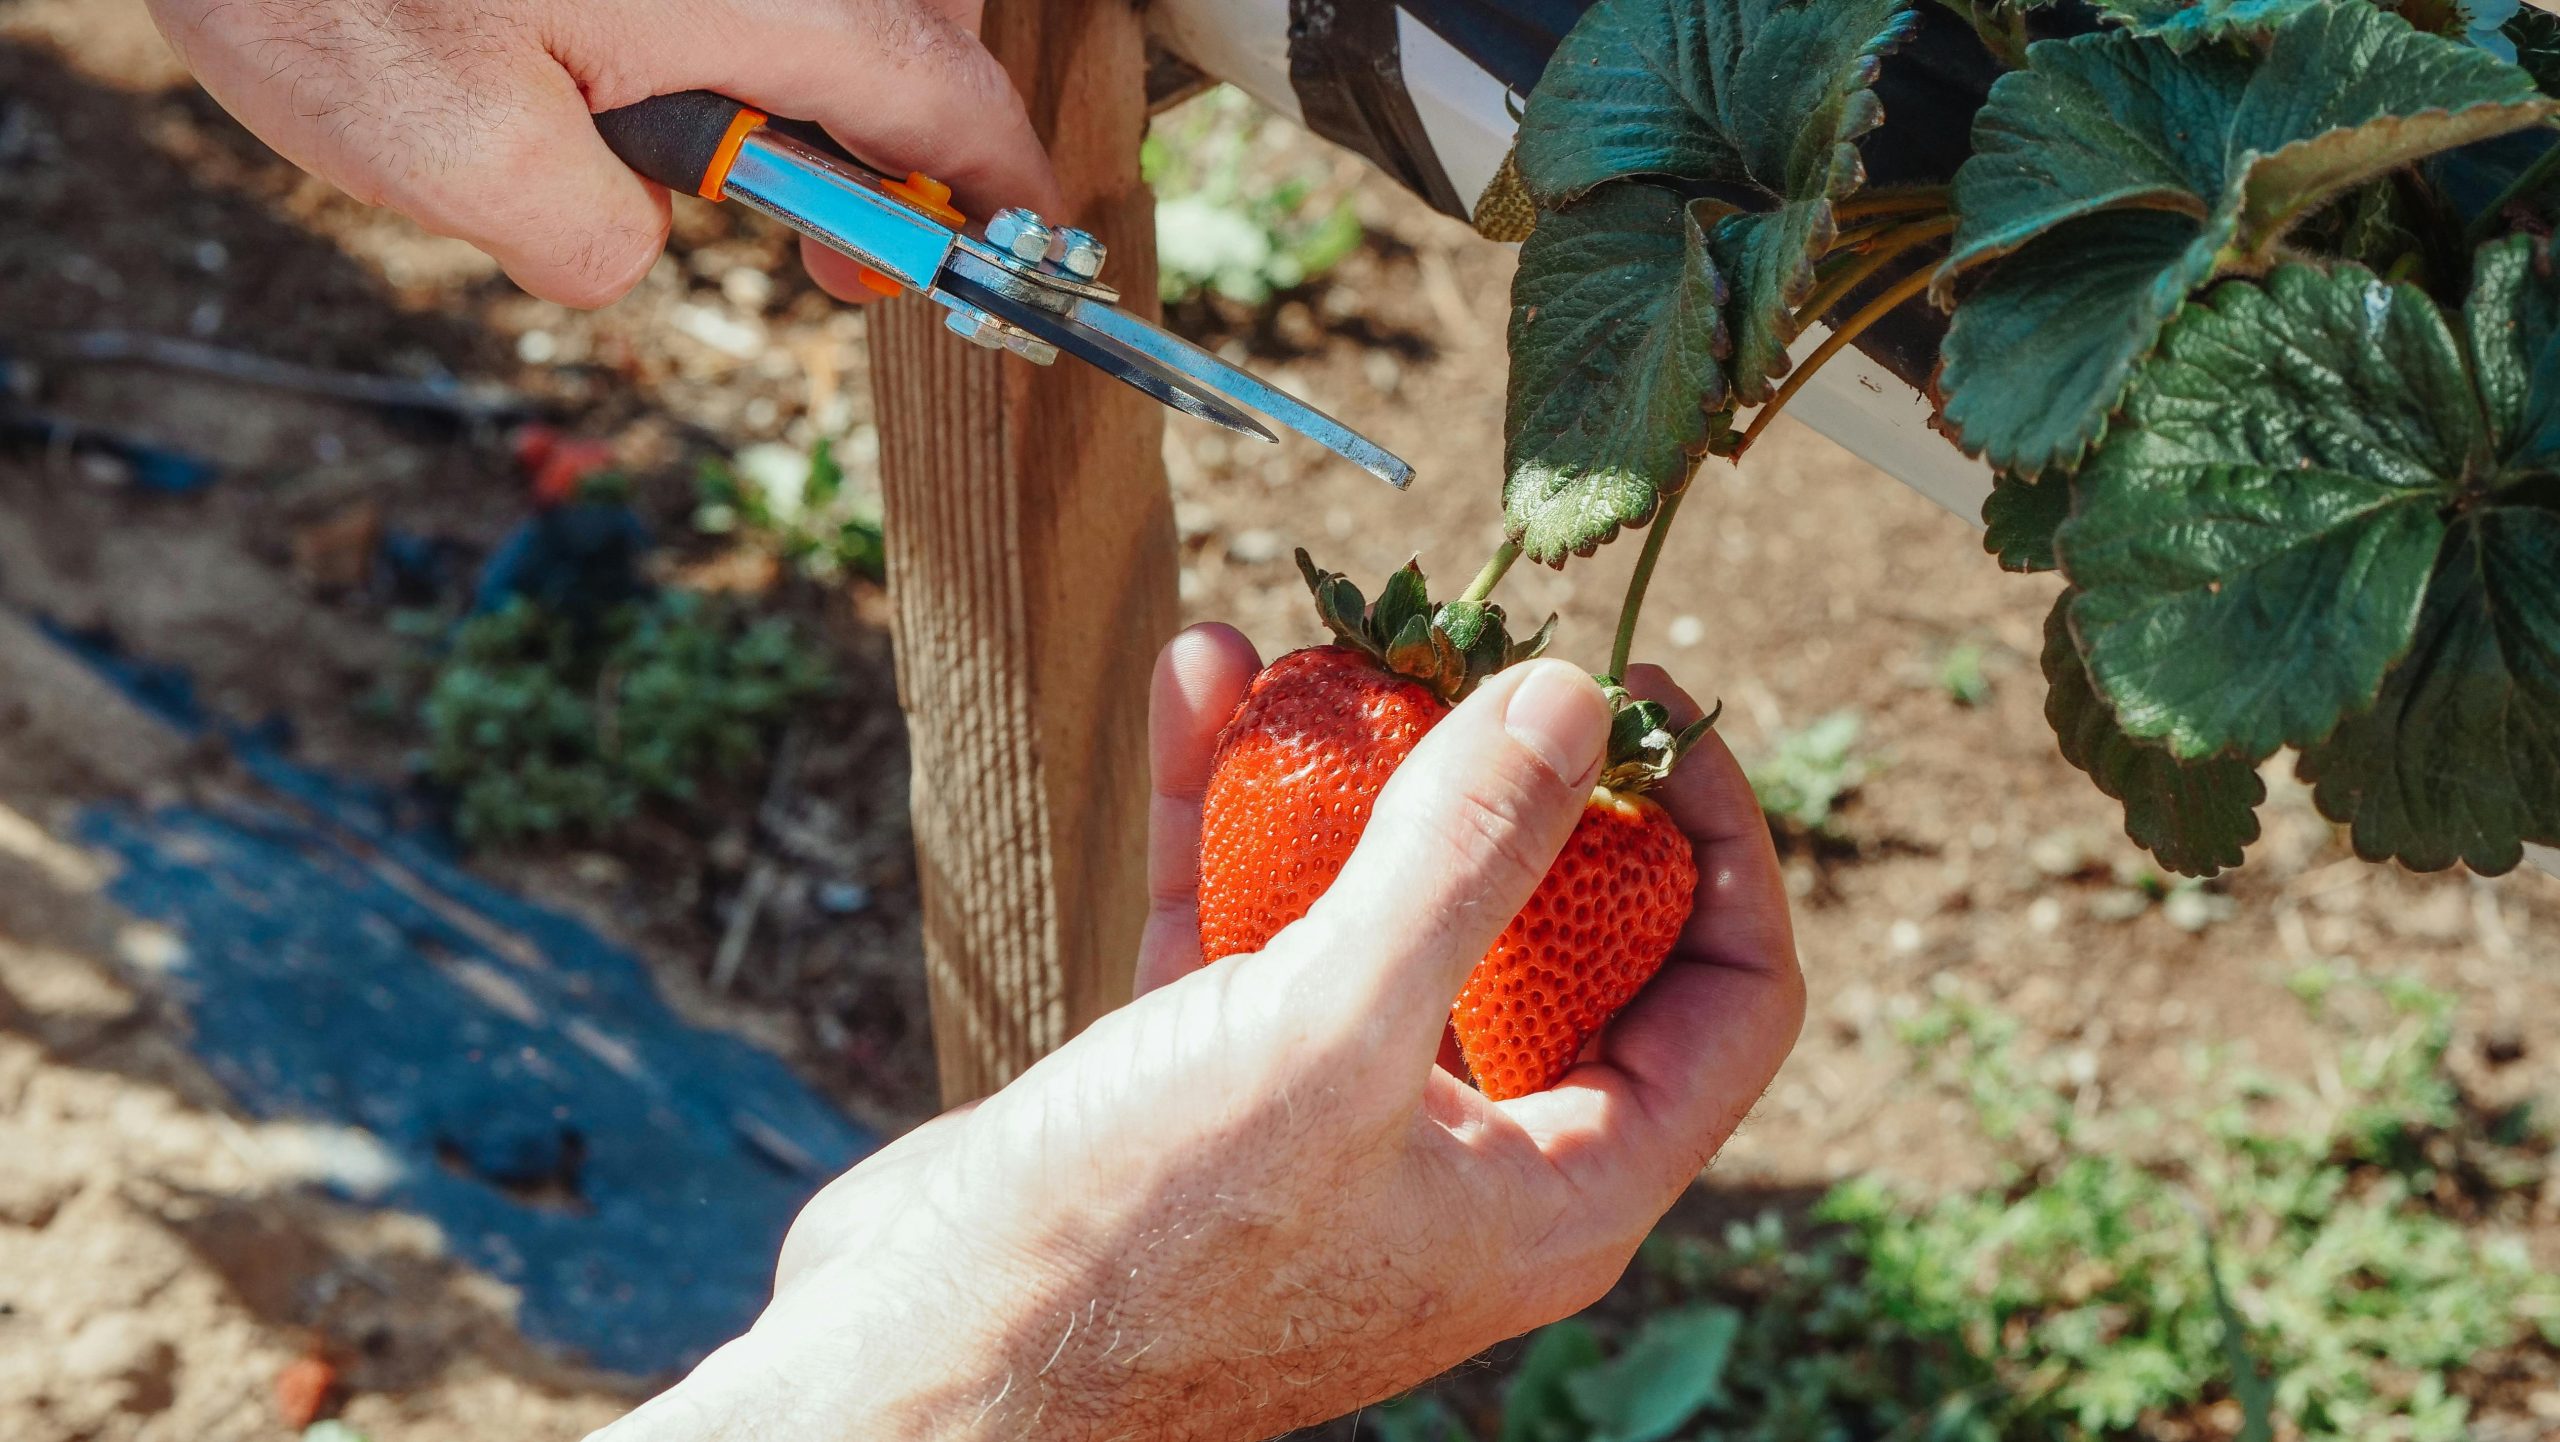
x,y
1559,714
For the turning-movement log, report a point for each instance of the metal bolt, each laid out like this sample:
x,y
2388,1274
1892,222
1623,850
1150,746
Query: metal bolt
x,y
1080,253
1018,233
1030,347
975,326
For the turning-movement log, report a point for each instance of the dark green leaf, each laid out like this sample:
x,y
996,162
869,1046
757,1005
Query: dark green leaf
x,y
2039,353
1672,1367
1617,328
2195,816
2019,519
2513,323
2345,92
2182,23
2254,539
1403,602
1537,1408
1414,1419
1764,99
1760,93
2536,36
2459,760
1767,257
2240,145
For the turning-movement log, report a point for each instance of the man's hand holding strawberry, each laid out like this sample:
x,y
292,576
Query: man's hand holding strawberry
x,y
1252,1199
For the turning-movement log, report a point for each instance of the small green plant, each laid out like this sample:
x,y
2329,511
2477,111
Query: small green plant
x,y
1961,675
797,505
1808,772
1224,225
539,725
2287,1256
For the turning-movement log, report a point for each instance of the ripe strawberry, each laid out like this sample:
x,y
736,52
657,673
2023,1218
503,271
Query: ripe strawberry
x,y
1300,764
1596,929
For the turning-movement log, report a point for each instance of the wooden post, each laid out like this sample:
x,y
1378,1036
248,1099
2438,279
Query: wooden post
x,y
1031,572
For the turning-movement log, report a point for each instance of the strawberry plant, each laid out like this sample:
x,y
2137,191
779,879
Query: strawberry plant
x,y
2249,304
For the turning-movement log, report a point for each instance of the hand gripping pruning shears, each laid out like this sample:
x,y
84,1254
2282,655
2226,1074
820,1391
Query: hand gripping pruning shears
x,y
1014,283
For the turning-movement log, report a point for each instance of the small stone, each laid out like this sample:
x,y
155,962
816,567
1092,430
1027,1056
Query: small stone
x,y
1194,520
124,1362
30,1199
2123,904
1904,937
1686,631
537,347
2192,908
2045,915
1256,547
747,288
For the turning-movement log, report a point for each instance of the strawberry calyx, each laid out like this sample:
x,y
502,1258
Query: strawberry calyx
x,y
1643,749
1450,648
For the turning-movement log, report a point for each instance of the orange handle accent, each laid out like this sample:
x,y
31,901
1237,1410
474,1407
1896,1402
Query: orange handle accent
x,y
715,177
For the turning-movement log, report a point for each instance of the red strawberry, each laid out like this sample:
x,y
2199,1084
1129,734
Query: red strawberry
x,y
1298,771
1300,764
1596,929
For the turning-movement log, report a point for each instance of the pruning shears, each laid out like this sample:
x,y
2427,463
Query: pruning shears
x,y
1014,283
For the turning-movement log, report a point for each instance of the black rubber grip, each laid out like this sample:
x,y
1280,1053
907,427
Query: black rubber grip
x,y
673,139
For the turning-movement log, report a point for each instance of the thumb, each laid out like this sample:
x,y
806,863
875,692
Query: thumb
x,y
1460,838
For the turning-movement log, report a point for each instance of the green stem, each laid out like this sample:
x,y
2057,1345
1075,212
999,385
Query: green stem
x,y
1890,202
1850,329
1892,244
1491,576
1625,645
2535,177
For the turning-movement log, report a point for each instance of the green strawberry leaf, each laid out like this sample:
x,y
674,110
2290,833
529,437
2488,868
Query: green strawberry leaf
x,y
2459,759
2240,144
1768,258
2184,23
2536,36
2254,541
2019,518
1767,94
1673,1367
1762,99
1617,331
1537,1409
2039,353
2512,320
2196,817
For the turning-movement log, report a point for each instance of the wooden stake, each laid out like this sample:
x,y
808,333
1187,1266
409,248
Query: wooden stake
x,y
1031,571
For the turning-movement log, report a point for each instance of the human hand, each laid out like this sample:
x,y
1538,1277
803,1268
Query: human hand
x,y
476,119
1250,1200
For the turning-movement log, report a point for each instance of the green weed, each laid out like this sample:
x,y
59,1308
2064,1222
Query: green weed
x,y
1225,221
800,507
2325,1260
540,726
1808,772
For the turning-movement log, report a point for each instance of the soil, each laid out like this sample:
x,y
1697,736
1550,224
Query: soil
x,y
160,1262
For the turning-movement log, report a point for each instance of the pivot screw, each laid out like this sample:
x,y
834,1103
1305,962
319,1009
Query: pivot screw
x,y
1080,253
1018,233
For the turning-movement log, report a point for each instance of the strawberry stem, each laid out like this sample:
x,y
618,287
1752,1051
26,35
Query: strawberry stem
x,y
1491,576
1891,202
1855,326
1623,648
1887,248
